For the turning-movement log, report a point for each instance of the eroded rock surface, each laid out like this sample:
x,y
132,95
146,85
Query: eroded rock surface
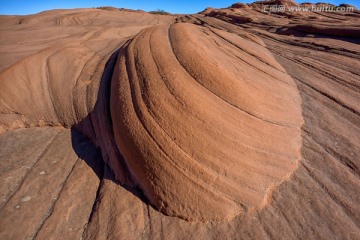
x,y
205,130
184,123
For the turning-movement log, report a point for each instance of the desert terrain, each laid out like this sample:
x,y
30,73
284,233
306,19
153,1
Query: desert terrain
x,y
233,123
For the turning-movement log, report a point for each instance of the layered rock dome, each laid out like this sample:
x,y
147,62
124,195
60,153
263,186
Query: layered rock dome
x,y
228,124
205,131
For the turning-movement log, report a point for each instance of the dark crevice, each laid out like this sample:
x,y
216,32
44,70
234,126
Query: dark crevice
x,y
94,206
97,126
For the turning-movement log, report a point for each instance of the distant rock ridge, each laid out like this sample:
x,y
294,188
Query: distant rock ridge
x,y
292,3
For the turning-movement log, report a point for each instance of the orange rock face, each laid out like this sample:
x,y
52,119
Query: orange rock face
x,y
228,124
205,131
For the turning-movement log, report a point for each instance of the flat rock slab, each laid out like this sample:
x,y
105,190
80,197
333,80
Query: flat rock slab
x,y
46,188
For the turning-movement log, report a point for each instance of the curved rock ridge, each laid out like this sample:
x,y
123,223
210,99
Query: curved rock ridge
x,y
208,122
53,79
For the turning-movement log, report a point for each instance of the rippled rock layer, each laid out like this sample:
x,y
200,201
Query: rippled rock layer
x,y
205,130
236,124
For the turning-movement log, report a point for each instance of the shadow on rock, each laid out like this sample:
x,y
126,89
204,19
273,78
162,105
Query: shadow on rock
x,y
93,139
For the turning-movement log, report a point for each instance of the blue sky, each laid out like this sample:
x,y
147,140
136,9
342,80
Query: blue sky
x,y
20,7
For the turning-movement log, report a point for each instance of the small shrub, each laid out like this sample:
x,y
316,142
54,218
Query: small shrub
x,y
160,12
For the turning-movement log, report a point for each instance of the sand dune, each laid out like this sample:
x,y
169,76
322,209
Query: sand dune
x,y
227,124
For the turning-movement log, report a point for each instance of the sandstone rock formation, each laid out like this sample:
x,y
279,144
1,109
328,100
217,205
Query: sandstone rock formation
x,y
227,124
185,114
